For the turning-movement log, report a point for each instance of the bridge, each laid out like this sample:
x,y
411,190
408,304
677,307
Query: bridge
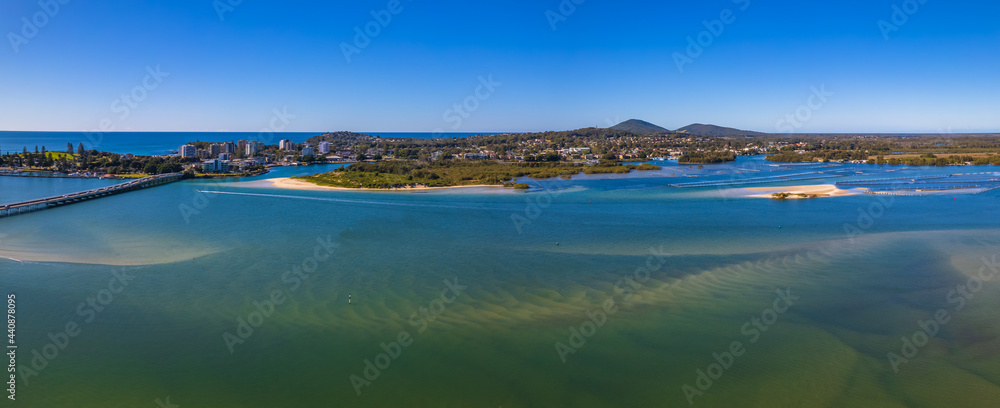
x,y
24,207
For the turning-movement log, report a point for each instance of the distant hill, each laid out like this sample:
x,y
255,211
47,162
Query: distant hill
x,y
639,126
717,131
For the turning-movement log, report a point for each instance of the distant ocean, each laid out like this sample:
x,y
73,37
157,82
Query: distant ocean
x,y
156,143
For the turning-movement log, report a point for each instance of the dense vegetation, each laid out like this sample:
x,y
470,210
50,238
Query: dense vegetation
x,y
93,161
788,156
917,150
931,159
447,173
707,157
785,196
927,159
717,131
640,127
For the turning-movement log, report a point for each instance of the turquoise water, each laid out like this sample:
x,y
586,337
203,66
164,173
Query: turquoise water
x,y
203,254
16,189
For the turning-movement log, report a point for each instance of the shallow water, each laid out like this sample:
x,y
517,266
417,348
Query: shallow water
x,y
533,264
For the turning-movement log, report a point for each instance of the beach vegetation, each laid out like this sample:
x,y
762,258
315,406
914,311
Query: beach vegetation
x,y
448,173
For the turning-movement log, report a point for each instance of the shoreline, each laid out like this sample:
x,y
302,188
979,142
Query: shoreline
x,y
216,176
801,192
289,183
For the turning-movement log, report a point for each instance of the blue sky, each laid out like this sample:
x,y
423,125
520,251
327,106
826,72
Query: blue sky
x,y
936,71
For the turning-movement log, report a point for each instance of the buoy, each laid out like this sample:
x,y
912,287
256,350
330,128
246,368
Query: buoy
x,y
348,298
557,244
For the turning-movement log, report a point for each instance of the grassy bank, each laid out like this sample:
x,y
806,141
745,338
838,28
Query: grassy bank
x,y
397,174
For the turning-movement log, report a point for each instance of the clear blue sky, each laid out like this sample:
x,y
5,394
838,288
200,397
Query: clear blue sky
x,y
606,61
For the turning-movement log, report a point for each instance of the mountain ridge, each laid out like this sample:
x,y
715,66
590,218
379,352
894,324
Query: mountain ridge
x,y
640,126
718,131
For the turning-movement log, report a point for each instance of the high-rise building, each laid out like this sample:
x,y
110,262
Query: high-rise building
x,y
188,151
228,147
215,166
324,147
252,147
307,151
241,146
286,145
215,150
223,156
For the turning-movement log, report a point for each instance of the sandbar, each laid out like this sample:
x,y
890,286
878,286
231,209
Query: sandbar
x,y
800,192
116,259
296,184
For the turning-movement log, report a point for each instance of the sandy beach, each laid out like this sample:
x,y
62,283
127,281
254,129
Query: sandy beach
x,y
801,192
294,184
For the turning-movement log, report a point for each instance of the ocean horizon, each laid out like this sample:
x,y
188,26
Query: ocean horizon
x,y
736,203
160,143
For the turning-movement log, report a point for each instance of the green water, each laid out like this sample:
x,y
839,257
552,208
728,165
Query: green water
x,y
200,261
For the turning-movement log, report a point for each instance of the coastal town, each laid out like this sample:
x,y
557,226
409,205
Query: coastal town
x,y
251,157
630,141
